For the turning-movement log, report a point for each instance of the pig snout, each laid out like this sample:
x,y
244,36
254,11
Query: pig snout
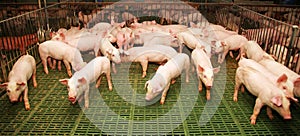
x,y
72,99
14,100
208,87
287,117
148,98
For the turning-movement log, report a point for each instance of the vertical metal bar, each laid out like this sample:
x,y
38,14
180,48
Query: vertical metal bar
x,y
46,13
290,47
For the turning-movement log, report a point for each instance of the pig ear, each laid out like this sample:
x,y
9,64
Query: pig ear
x,y
64,81
82,80
216,70
21,83
291,98
223,43
276,100
282,79
3,85
200,69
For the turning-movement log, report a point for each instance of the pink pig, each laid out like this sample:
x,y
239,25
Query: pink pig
x,y
267,94
16,87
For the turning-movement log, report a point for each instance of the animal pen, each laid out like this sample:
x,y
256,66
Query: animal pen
x,y
122,111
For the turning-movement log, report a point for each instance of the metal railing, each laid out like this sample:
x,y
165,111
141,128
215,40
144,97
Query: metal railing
x,y
19,34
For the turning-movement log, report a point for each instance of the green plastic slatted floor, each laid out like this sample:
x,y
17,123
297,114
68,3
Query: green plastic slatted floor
x,y
52,113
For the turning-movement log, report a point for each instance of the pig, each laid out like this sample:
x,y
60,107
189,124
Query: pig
x,y
233,42
205,71
167,40
253,51
267,94
161,81
278,69
17,87
154,53
61,51
86,43
100,27
188,39
108,50
286,86
78,84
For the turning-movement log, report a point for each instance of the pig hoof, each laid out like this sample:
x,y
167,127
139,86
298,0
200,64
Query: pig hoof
x,y
253,122
235,99
35,85
110,88
162,102
27,107
200,89
97,86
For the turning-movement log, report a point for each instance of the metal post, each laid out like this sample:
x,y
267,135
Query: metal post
x,y
290,47
46,13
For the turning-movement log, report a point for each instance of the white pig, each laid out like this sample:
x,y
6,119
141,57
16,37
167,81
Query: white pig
x,y
287,86
79,83
61,51
233,42
253,51
205,71
154,53
267,94
278,69
16,87
161,81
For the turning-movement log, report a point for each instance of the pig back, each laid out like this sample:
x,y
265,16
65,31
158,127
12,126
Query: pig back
x,y
22,69
94,69
155,51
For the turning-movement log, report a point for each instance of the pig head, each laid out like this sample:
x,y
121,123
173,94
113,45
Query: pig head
x,y
207,75
14,90
76,88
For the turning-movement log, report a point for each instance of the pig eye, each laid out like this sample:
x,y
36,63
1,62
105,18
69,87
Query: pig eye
x,y
284,87
8,91
17,89
68,87
77,86
204,76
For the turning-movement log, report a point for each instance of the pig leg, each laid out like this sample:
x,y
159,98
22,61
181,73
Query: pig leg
x,y
44,62
164,94
59,65
108,77
98,81
21,98
53,64
113,65
219,57
231,54
199,85
26,102
144,64
256,110
68,67
269,113
49,62
223,56
34,78
86,97
187,69
207,94
238,84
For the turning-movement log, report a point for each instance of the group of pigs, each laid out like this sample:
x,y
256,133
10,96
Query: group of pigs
x,y
162,44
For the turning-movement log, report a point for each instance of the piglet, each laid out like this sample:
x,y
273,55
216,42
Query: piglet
x,y
61,51
253,51
286,86
161,81
233,42
267,94
16,87
78,84
154,53
205,71
278,69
